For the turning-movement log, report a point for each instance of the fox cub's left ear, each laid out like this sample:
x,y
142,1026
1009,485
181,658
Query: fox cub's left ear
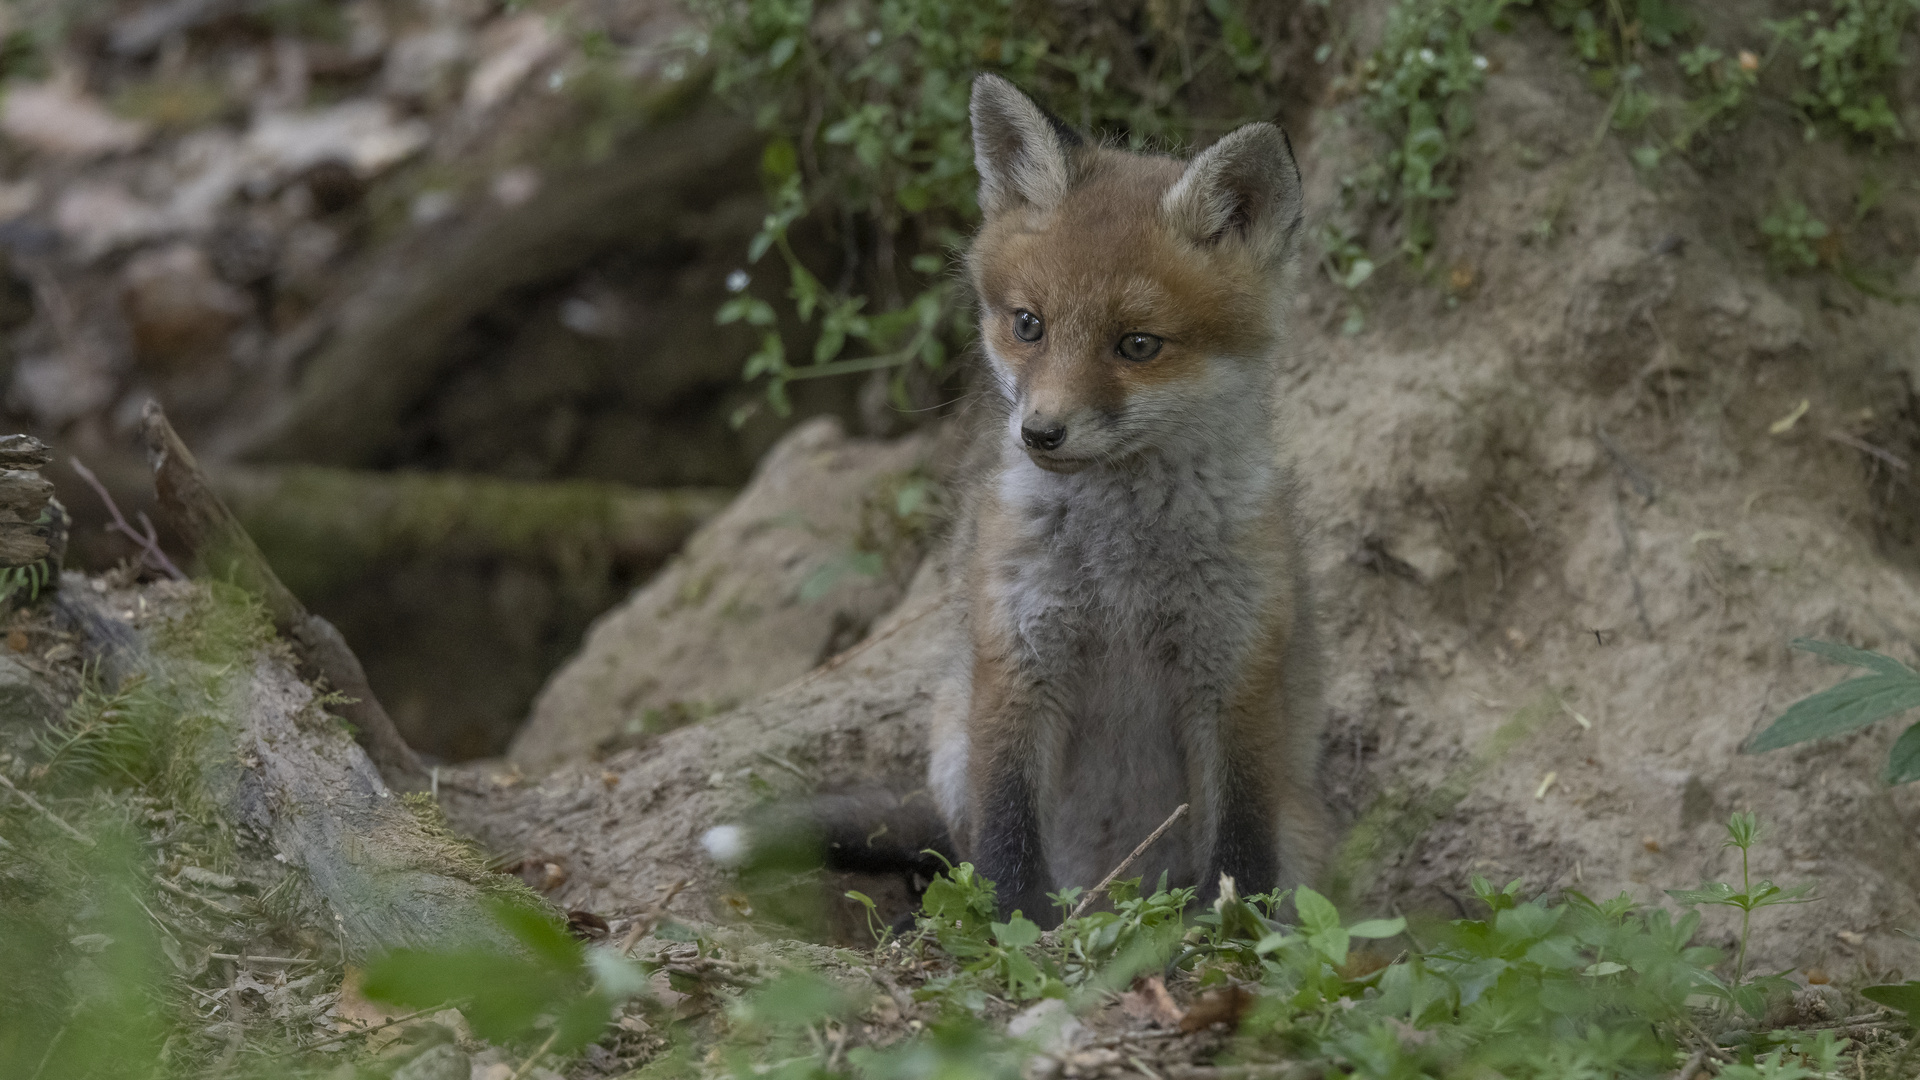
x,y
1244,188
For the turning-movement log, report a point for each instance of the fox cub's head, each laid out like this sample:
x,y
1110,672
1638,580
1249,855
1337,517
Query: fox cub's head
x,y
1127,301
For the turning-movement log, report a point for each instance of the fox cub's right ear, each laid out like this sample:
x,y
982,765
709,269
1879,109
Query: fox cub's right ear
x,y
1019,148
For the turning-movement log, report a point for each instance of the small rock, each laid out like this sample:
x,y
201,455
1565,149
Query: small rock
x,y
515,186
102,216
51,118
180,310
365,134
1056,1029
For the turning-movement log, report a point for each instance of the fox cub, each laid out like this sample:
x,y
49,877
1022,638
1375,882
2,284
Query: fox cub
x,y
1131,593
1131,582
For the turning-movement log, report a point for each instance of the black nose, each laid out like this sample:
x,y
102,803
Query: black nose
x,y
1046,438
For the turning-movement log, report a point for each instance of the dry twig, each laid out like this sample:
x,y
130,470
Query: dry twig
x,y
644,923
149,543
1096,892
527,1065
34,804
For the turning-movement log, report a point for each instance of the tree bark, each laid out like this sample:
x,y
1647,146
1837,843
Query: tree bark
x,y
188,504
374,873
385,345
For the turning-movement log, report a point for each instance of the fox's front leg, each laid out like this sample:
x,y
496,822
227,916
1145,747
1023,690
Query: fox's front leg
x,y
1006,722
1236,784
1245,847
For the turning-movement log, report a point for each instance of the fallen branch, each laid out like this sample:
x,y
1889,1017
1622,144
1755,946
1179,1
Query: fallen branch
x,y
644,923
189,506
149,543
34,805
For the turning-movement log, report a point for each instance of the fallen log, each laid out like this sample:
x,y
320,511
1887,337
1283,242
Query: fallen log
x,y
349,519
371,357
189,506
372,869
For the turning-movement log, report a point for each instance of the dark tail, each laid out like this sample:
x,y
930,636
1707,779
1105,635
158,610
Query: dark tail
x,y
866,832
879,832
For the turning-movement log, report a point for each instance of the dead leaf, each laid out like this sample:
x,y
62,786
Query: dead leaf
x,y
1362,963
586,926
1149,1003
50,118
1220,1005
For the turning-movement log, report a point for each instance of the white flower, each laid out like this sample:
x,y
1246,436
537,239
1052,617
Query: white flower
x,y
726,844
1480,63
738,281
1426,56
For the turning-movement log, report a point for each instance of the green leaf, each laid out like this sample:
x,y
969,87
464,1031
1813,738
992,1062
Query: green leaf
x,y
779,160
1316,911
1903,763
1378,928
1275,941
1852,657
1853,704
1017,933
1902,996
1709,892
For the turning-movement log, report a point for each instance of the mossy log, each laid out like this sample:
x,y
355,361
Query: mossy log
x,y
188,505
374,869
329,526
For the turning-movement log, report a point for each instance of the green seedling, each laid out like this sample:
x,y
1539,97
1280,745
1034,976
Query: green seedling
x,y
1750,995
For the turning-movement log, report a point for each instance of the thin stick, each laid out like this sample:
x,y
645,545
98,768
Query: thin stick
x,y
263,959
176,890
149,544
370,1030
46,813
527,1065
1087,900
651,917
1892,459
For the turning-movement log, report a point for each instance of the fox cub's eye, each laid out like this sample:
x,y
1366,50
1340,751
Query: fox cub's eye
x,y
1138,347
1027,326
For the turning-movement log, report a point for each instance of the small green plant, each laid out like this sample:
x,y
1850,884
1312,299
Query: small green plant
x,y
1791,231
553,983
1892,688
1750,995
1419,90
865,107
1851,57
27,581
